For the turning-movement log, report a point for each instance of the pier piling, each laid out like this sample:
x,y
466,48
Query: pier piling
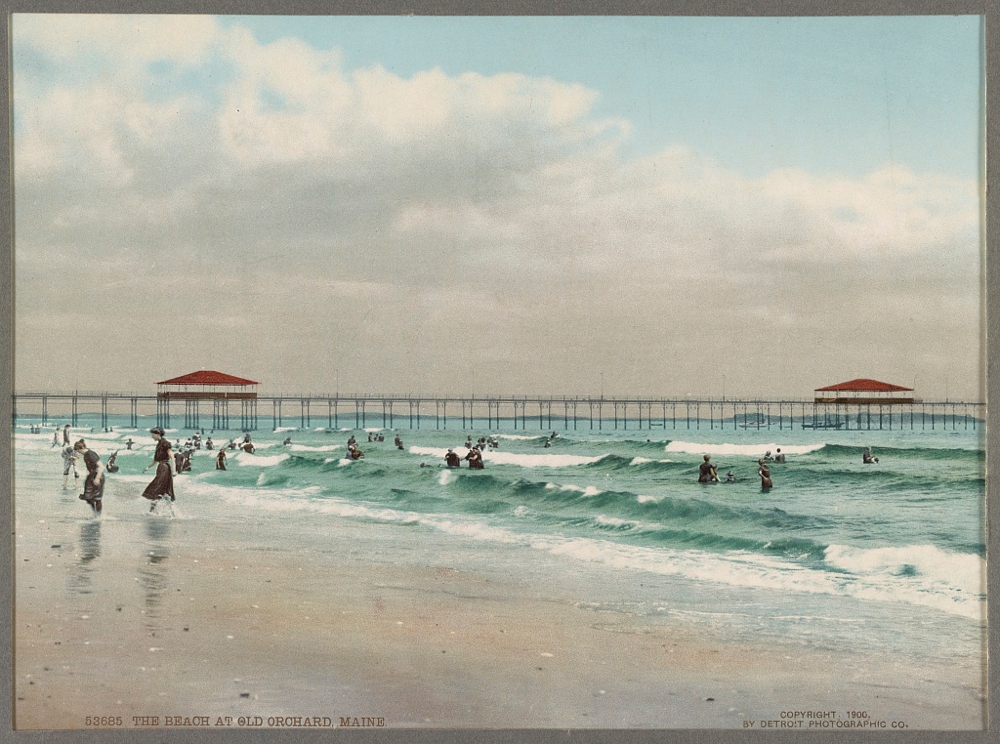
x,y
512,412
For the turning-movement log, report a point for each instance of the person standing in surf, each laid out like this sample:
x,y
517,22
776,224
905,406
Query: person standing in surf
x,y
69,463
220,460
707,472
163,482
765,475
93,487
475,458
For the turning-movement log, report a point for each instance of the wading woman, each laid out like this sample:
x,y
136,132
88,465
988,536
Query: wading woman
x,y
93,487
163,482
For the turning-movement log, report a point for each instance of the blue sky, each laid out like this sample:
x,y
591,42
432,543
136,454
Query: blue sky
x,y
832,95
598,194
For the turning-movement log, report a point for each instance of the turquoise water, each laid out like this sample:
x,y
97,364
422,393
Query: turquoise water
x,y
838,556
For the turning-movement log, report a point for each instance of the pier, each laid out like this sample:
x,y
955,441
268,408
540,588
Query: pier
x,y
499,412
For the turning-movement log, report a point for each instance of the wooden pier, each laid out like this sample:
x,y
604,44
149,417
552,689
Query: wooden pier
x,y
494,413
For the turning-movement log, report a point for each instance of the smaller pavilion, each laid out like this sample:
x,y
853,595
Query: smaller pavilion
x,y
207,385
864,392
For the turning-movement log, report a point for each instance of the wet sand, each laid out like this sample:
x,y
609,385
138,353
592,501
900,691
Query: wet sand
x,y
140,617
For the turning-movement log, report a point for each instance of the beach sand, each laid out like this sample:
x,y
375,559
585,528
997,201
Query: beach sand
x,y
140,617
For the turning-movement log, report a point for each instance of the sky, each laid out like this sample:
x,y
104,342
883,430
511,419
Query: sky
x,y
558,206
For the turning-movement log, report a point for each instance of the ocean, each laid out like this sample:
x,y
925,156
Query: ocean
x,y
840,557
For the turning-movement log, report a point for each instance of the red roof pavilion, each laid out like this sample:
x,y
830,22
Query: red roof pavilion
x,y
863,391
208,384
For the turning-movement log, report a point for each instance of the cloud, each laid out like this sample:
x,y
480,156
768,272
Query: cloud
x,y
131,41
496,215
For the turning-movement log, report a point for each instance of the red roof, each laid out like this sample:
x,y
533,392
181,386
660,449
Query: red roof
x,y
208,377
864,386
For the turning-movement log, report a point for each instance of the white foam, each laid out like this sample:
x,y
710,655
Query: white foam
x,y
446,477
738,568
513,458
308,448
745,450
963,571
585,490
245,458
614,521
644,460
340,508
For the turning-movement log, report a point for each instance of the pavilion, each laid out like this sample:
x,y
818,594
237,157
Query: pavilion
x,y
207,385
864,392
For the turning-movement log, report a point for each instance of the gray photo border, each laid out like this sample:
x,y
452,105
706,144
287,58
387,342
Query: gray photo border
x,y
990,9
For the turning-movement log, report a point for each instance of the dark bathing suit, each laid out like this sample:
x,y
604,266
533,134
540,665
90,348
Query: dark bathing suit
x,y
706,473
93,493
163,482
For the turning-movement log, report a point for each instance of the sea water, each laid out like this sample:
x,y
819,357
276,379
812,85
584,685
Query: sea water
x,y
838,557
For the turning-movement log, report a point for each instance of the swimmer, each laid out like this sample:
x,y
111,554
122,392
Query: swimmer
x,y
220,460
475,458
866,457
452,460
779,456
765,475
399,442
730,478
707,472
111,467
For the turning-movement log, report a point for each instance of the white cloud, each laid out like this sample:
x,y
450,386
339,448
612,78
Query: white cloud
x,y
442,195
131,40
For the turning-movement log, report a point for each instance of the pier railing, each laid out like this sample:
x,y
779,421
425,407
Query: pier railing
x,y
491,412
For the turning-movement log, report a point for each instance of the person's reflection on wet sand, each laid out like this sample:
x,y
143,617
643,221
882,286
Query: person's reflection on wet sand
x,y
153,574
89,549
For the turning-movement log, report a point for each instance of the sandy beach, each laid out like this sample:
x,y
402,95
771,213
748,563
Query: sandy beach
x,y
139,618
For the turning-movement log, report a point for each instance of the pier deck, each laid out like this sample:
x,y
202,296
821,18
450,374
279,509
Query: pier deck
x,y
500,412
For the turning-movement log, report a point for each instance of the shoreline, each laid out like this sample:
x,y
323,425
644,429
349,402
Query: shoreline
x,y
139,616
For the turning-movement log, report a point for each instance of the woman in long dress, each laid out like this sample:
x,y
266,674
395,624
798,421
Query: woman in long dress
x,y
93,487
163,482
